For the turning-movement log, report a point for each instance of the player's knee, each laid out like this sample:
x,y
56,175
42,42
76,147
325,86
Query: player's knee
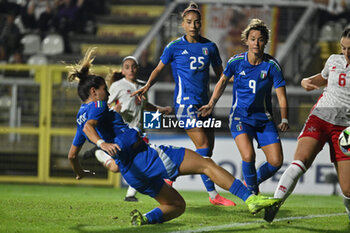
x,y
276,161
210,164
180,206
248,157
346,193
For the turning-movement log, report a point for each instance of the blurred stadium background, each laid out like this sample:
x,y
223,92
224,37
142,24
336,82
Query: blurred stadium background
x,y
38,106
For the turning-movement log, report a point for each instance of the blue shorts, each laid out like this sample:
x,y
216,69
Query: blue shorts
x,y
149,168
188,113
265,135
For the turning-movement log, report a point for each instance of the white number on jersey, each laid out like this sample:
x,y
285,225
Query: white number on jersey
x,y
194,60
252,85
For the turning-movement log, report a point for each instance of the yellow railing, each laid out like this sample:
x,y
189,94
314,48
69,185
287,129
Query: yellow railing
x,y
46,77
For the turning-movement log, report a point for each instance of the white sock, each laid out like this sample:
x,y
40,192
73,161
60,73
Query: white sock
x,y
212,194
131,192
103,158
347,204
289,179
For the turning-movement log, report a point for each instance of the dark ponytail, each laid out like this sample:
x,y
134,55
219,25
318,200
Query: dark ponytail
x,y
81,73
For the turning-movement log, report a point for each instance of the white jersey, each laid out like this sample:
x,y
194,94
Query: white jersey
x,y
131,107
334,104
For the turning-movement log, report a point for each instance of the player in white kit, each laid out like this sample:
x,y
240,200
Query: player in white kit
x,y
130,108
329,116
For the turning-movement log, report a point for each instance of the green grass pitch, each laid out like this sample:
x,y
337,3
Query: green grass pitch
x,y
86,209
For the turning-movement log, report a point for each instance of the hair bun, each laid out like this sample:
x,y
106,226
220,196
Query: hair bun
x,y
193,5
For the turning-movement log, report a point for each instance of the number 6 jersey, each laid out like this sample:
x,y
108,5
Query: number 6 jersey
x,y
333,105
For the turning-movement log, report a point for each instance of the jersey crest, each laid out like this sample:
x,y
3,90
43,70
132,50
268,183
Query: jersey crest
x,y
263,74
205,51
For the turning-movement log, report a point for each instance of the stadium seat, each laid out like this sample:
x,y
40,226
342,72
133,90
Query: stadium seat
x,y
327,32
52,45
37,59
31,44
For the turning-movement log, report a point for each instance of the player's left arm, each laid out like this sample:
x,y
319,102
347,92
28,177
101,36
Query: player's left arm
x,y
75,163
283,103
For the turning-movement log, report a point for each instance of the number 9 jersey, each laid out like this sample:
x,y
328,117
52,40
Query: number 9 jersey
x,y
252,88
334,104
190,66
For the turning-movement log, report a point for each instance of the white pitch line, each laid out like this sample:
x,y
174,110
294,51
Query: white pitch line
x,y
220,227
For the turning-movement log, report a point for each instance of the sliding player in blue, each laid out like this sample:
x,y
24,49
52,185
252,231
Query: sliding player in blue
x,y
255,73
143,166
191,56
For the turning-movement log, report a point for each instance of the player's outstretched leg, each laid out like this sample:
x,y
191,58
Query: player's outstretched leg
x,y
193,163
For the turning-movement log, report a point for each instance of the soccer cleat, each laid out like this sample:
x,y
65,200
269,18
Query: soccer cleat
x,y
256,203
90,153
169,182
131,199
220,200
137,219
271,211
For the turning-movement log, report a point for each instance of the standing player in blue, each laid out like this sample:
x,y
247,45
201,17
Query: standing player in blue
x,y
143,166
255,73
191,56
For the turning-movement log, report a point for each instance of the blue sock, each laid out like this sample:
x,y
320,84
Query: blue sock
x,y
266,171
155,216
249,174
238,189
209,185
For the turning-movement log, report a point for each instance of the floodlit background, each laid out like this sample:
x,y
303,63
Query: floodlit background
x,y
38,106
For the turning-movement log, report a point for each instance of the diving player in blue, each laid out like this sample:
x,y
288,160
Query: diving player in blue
x,y
191,56
143,166
255,73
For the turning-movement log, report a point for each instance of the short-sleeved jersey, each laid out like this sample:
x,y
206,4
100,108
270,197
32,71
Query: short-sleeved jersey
x,y
334,104
252,88
110,127
190,67
131,107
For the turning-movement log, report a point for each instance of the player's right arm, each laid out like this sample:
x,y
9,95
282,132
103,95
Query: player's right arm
x,y
219,89
91,133
155,73
313,82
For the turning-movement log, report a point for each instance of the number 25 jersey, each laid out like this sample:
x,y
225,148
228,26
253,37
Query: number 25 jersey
x,y
190,67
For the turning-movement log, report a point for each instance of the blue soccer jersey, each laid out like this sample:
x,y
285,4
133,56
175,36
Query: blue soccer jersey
x,y
252,88
190,66
144,167
110,126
